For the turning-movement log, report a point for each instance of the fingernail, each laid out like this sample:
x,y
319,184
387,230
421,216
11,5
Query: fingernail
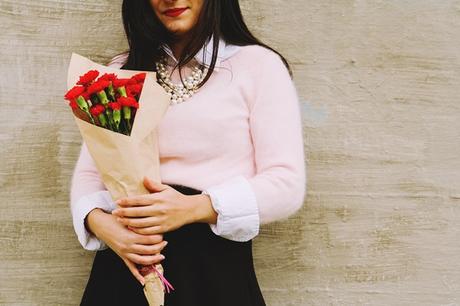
x,y
166,242
162,256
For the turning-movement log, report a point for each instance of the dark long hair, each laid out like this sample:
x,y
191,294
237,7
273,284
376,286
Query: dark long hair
x,y
217,19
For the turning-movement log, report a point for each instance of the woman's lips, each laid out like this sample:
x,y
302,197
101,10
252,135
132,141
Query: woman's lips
x,y
175,12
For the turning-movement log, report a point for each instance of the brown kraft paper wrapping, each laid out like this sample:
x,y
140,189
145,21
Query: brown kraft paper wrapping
x,y
122,160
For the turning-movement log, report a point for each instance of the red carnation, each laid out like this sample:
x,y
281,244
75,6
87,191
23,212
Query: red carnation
x,y
120,82
98,86
140,77
73,104
115,105
74,92
97,109
86,95
108,77
131,81
88,77
133,89
128,101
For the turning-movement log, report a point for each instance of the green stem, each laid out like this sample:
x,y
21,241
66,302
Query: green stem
x,y
126,111
117,118
122,91
103,98
83,105
108,112
127,116
91,118
103,120
111,92
81,102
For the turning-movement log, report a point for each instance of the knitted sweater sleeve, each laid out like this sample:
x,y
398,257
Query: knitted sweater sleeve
x,y
279,186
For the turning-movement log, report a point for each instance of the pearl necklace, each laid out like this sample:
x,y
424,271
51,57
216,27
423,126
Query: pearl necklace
x,y
179,92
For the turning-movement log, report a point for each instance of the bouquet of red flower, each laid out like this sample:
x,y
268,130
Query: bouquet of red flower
x,y
108,101
117,112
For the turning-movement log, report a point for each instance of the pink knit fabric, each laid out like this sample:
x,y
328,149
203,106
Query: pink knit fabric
x,y
244,122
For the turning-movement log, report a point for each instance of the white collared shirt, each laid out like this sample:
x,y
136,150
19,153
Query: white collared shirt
x,y
204,56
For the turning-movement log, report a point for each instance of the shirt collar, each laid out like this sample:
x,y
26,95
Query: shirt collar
x,y
204,56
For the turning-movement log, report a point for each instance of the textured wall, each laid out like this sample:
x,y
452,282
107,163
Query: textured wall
x,y
379,88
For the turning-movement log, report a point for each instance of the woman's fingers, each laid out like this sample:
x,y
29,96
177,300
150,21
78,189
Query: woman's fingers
x,y
138,211
145,259
151,230
141,222
139,200
149,249
132,267
149,239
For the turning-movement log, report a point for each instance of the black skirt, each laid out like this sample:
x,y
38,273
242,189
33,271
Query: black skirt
x,y
204,269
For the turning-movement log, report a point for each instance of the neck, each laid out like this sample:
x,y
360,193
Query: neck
x,y
177,49
178,43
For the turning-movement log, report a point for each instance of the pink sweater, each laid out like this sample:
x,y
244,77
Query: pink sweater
x,y
238,139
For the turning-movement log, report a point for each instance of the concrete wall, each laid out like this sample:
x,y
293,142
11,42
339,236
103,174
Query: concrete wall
x,y
379,82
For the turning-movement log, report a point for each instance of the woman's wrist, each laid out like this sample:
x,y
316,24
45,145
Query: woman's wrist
x,y
202,210
93,218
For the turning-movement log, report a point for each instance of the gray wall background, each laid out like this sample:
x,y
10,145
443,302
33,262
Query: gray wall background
x,y
378,82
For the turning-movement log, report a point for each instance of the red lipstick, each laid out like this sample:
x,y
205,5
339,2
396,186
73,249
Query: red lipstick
x,y
175,12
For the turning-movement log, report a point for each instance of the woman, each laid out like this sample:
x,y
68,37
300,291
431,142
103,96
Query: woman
x,y
231,159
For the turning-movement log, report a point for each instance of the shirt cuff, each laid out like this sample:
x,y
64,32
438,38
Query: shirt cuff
x,y
237,210
100,199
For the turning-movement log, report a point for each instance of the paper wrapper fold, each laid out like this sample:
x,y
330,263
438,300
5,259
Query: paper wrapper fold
x,y
154,288
122,160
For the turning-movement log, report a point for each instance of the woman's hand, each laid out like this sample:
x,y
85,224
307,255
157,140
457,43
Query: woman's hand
x,y
133,248
163,210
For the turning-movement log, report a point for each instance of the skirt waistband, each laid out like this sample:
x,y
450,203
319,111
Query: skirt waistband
x,y
185,189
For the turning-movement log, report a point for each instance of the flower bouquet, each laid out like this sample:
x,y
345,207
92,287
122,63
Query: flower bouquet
x,y
117,112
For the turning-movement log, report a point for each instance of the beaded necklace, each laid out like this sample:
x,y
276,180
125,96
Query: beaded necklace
x,y
179,92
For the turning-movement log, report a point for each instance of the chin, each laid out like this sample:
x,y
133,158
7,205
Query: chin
x,y
178,30
179,26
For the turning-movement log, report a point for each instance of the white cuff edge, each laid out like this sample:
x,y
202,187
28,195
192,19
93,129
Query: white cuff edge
x,y
80,209
236,205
